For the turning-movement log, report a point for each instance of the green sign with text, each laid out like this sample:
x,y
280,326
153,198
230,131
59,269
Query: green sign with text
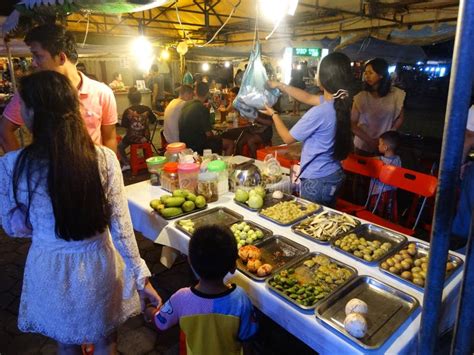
x,y
307,52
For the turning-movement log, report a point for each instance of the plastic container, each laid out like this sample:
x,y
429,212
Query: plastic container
x,y
220,167
207,186
155,166
188,176
173,150
169,177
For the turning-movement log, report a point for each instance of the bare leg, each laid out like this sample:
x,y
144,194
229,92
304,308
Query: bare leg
x,y
106,346
253,142
69,349
228,146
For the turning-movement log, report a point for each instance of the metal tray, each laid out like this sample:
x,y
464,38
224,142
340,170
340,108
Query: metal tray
x,y
181,214
372,232
267,233
423,249
298,264
268,201
318,240
277,251
218,215
388,309
300,202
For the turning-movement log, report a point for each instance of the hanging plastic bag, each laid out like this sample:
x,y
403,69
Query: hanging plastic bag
x,y
254,93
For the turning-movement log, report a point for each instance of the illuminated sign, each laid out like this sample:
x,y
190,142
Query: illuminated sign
x,y
307,52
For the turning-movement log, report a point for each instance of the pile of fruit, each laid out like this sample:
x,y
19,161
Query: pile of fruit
x,y
251,256
244,234
411,265
253,198
326,225
179,202
369,250
355,322
288,211
316,278
187,225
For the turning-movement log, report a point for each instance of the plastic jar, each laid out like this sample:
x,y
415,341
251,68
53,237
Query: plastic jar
x,y
220,168
155,166
173,150
188,176
169,177
207,186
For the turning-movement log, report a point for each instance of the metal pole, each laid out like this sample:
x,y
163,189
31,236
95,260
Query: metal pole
x,y
463,340
454,129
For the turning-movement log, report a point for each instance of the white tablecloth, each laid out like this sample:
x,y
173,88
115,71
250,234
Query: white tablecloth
x,y
303,325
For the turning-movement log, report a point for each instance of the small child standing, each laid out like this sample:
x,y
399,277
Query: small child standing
x,y
214,318
388,144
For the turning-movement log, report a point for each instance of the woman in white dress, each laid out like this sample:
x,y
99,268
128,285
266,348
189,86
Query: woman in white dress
x,y
83,268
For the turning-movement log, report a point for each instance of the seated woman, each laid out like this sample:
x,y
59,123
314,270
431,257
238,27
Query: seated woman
x,y
261,132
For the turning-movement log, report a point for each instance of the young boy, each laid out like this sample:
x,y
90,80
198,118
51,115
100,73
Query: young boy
x,y
388,144
214,318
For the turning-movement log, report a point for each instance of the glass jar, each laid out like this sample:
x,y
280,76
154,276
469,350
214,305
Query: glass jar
x,y
155,166
207,186
188,176
169,177
173,150
220,168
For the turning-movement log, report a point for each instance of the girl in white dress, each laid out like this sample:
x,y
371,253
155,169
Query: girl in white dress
x,y
83,268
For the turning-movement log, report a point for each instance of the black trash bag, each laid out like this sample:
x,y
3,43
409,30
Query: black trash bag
x,y
254,93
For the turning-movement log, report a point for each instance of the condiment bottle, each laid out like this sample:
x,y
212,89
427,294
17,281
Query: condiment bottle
x,y
188,176
220,167
169,177
173,150
207,186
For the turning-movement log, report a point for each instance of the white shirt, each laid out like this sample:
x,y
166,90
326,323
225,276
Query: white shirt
x,y
171,120
470,119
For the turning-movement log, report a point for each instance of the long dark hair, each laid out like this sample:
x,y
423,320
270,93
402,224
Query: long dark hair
x,y
335,74
62,150
380,66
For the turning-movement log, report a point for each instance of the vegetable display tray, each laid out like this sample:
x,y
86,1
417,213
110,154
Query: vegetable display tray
x,y
268,201
372,232
423,249
388,309
302,204
277,251
305,275
181,214
267,233
323,230
218,216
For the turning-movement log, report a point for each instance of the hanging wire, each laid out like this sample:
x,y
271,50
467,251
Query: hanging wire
x,y
88,14
234,8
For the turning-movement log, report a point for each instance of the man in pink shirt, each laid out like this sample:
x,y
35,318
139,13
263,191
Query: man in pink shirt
x,y
54,48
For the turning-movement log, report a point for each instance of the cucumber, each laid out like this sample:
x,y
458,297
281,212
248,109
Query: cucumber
x,y
171,211
174,201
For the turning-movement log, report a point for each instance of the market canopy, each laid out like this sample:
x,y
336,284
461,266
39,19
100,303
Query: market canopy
x,y
416,22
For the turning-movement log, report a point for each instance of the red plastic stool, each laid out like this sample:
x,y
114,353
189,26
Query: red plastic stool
x,y
139,162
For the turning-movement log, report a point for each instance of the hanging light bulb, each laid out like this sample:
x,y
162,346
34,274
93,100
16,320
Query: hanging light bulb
x,y
182,48
227,64
165,54
142,50
205,67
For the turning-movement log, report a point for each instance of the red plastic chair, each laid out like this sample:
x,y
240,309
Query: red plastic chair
x,y
423,186
365,166
137,162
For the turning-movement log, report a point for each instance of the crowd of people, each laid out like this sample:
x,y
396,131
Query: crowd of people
x,y
84,275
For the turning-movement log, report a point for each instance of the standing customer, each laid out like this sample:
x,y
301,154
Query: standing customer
x,y
54,48
83,268
377,109
173,113
325,130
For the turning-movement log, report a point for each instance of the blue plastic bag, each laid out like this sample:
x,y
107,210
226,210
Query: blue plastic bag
x,y
254,93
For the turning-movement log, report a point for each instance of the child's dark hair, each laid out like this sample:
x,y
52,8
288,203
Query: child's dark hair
x,y
212,252
391,139
380,66
334,75
134,96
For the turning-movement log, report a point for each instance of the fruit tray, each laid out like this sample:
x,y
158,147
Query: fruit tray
x,y
388,309
315,287
371,233
326,227
422,250
267,233
181,214
268,201
217,215
302,205
277,251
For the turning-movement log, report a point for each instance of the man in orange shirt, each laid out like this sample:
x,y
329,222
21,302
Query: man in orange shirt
x,y
54,48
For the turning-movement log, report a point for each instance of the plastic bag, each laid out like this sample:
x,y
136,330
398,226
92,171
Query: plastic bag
x,y
254,93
